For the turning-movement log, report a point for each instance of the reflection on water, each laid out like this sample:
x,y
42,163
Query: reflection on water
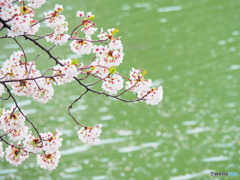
x,y
8,171
215,159
170,8
106,117
73,150
192,176
137,148
197,130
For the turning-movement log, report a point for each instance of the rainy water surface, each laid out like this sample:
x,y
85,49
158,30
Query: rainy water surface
x,y
192,48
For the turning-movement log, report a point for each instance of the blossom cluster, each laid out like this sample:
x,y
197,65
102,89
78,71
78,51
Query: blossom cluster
x,y
68,69
46,146
20,17
13,124
57,22
90,135
15,68
107,58
20,77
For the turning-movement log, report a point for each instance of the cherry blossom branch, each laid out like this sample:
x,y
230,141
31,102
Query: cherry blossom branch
x,y
5,25
3,37
127,89
75,29
44,49
30,79
6,133
100,79
20,110
108,95
20,148
92,41
24,54
107,56
71,105
42,20
1,139
5,99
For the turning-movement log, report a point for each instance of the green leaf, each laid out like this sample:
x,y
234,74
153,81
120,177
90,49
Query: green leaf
x,y
94,67
144,73
75,62
115,31
112,69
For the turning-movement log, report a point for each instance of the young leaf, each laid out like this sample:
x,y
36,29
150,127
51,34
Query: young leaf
x,y
112,69
75,62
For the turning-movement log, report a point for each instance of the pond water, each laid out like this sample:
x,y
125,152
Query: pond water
x,y
192,48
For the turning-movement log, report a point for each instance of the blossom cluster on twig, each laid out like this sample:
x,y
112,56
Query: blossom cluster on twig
x,y
20,76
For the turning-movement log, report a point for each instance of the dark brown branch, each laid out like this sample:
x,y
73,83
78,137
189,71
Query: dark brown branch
x,y
20,148
24,54
71,105
30,79
44,49
108,95
75,29
20,110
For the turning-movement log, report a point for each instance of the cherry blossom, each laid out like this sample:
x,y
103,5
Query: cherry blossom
x,y
34,27
88,26
40,90
10,119
18,135
115,44
13,123
51,142
20,18
15,156
153,96
99,71
113,84
5,3
67,72
32,144
107,35
137,82
36,3
20,24
44,92
58,38
80,13
8,11
108,57
58,23
90,135
48,161
81,47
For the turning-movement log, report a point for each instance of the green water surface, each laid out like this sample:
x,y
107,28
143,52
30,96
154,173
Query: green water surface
x,y
190,47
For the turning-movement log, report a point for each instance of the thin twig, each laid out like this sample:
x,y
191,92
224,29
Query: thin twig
x,y
20,110
71,105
